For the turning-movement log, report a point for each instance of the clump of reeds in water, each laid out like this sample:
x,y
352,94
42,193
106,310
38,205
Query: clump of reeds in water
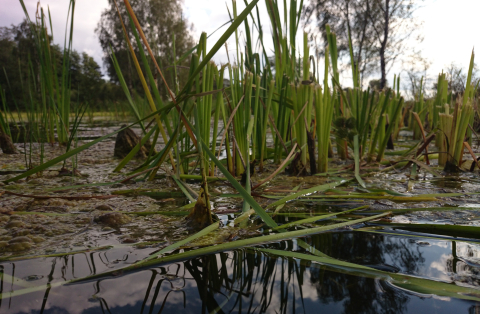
x,y
454,128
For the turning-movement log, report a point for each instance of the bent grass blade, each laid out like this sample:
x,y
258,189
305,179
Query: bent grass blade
x,y
316,218
178,244
306,192
420,285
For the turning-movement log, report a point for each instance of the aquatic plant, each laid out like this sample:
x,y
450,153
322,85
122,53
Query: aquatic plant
x,y
453,128
55,99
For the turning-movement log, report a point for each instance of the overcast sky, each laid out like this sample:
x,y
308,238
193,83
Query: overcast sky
x,y
449,27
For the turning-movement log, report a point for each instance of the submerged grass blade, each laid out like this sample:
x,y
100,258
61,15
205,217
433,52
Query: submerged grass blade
x,y
178,244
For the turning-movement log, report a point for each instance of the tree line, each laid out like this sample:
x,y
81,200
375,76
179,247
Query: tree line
x,y
167,31
19,71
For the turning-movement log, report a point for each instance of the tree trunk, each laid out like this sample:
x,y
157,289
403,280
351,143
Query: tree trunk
x,y
383,80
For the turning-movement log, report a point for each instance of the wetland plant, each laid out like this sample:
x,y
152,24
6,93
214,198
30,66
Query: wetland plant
x,y
280,95
54,103
276,96
454,128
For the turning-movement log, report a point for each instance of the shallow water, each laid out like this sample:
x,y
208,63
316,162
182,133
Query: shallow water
x,y
249,281
240,281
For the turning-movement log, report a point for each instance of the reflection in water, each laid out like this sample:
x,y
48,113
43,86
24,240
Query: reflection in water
x,y
447,183
359,295
249,281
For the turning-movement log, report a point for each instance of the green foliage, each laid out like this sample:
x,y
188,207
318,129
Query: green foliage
x,y
286,99
20,63
164,18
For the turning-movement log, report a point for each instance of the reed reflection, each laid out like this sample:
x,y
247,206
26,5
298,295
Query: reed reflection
x,y
250,281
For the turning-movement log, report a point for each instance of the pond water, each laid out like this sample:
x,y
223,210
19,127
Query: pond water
x,y
251,281
412,260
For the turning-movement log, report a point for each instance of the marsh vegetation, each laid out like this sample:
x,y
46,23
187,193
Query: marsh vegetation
x,y
259,185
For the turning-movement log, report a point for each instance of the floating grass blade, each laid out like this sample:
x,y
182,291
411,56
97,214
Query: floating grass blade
x,y
178,244
202,251
421,285
316,218
454,230
306,192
